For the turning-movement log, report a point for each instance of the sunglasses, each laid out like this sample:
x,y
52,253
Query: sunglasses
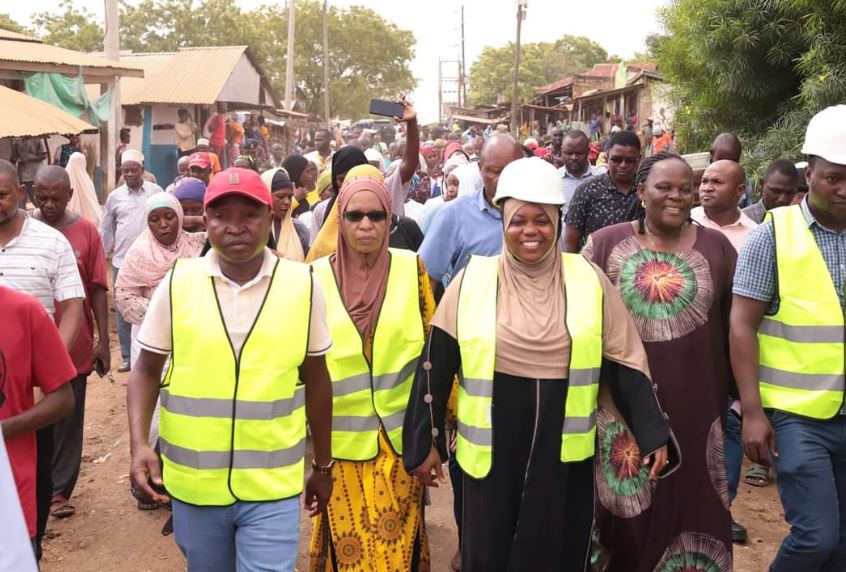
x,y
626,160
373,216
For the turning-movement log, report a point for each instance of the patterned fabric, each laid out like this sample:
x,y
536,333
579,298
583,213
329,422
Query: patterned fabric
x,y
598,204
375,515
755,276
756,212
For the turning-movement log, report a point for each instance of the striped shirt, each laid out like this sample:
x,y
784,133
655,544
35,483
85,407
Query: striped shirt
x,y
40,262
755,275
124,219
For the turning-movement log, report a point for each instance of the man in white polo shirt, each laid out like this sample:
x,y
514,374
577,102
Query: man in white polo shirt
x,y
37,260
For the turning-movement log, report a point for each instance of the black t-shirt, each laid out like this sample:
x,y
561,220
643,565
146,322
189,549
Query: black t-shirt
x,y
405,234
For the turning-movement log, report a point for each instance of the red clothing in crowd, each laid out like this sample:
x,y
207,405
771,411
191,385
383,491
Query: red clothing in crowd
x,y
31,355
87,246
217,129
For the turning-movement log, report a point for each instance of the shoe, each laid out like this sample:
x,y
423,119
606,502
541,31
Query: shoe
x,y
738,533
124,367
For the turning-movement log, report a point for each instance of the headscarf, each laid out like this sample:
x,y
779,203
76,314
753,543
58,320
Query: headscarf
x,y
451,149
249,159
530,333
295,165
148,260
324,180
326,241
190,189
84,200
287,240
469,179
343,161
453,163
362,278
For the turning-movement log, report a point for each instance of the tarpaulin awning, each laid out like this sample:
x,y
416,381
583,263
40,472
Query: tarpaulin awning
x,y
69,95
25,116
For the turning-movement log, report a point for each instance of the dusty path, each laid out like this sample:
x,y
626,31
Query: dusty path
x,y
107,532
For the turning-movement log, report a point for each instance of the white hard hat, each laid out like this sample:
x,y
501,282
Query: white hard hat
x,y
826,135
532,180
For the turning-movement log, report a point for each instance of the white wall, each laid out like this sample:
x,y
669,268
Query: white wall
x,y
244,83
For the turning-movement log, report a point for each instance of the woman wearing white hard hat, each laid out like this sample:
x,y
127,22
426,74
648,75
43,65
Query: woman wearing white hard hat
x,y
788,292
527,333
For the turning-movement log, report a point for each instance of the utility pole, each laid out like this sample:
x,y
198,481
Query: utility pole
x,y
109,135
440,92
289,71
462,85
515,122
326,63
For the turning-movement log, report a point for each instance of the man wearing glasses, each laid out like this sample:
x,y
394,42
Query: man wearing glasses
x,y
605,200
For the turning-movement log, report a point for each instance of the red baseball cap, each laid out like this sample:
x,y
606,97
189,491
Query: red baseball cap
x,y
200,159
235,181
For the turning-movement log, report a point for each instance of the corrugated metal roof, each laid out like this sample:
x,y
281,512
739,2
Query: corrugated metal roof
x,y
152,64
25,116
10,35
192,76
14,53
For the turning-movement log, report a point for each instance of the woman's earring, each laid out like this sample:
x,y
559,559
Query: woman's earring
x,y
643,204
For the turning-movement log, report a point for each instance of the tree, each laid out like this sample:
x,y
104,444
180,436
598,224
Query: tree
x,y
7,23
74,29
368,56
759,68
491,75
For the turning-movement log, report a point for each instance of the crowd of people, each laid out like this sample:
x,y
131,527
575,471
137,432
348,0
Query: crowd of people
x,y
589,336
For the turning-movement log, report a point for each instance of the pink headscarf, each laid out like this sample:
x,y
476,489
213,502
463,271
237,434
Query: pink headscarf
x,y
362,278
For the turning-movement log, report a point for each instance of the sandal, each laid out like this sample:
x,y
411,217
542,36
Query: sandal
x,y
757,476
61,508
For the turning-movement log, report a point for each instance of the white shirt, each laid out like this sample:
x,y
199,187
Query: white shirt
x,y
239,306
40,262
415,211
124,219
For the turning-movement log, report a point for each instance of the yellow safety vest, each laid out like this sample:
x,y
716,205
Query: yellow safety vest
x,y
365,395
233,428
477,340
801,347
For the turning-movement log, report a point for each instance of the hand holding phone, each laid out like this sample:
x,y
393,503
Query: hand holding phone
x,y
387,108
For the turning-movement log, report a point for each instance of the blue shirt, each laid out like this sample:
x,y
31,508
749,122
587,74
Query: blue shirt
x,y
466,226
755,275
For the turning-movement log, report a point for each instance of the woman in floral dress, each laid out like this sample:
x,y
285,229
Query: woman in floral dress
x,y
675,277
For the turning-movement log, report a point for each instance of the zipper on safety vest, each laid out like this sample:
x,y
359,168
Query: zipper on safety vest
x,y
532,446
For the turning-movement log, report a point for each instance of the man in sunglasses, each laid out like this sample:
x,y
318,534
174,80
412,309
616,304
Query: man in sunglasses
x,y
606,199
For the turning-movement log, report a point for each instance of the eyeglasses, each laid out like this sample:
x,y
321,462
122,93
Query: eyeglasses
x,y
373,216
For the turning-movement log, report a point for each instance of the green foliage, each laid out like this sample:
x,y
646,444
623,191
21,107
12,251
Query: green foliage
x,y
368,56
7,23
760,68
75,28
491,75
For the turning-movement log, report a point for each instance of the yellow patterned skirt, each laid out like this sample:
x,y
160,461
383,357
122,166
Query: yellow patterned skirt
x,y
375,518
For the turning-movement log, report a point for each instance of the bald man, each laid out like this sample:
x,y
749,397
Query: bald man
x,y
52,192
470,224
727,147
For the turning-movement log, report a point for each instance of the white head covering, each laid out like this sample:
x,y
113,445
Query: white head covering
x,y
469,179
454,162
374,155
202,142
84,199
131,155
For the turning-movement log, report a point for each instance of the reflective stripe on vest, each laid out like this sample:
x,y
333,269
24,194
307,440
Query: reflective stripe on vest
x,y
363,397
234,428
801,347
476,329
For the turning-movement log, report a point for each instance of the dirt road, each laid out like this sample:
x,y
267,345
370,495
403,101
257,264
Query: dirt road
x,y
107,532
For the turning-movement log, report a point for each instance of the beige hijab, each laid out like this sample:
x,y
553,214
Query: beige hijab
x,y
84,199
531,337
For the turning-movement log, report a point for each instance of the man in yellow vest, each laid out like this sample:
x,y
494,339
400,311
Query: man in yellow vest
x,y
787,349
246,333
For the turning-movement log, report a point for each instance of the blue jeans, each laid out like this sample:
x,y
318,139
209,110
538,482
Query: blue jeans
x,y
246,536
734,452
124,328
811,478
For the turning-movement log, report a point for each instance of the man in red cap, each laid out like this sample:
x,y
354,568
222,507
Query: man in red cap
x,y
200,166
247,334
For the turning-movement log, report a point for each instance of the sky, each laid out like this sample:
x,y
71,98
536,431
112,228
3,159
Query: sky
x,y
620,26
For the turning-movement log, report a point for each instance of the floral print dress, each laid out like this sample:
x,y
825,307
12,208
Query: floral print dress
x,y
680,303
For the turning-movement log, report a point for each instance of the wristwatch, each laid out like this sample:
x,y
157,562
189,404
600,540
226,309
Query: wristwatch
x,y
324,470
